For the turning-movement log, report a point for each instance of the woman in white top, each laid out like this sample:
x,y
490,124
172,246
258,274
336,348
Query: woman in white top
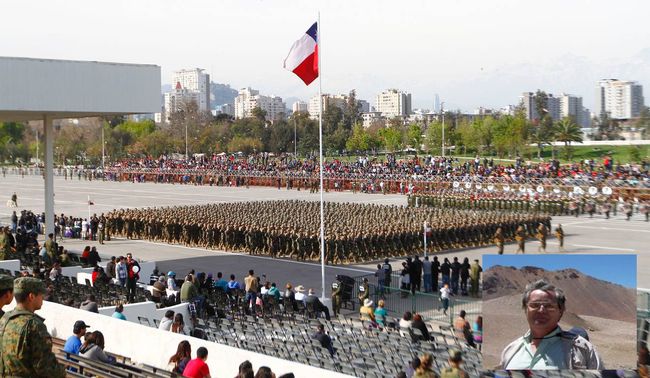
x,y
444,297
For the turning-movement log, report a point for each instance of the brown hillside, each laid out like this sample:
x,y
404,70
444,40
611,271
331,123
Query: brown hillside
x,y
585,295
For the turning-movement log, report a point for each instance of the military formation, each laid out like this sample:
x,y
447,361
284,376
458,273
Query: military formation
x,y
551,204
291,229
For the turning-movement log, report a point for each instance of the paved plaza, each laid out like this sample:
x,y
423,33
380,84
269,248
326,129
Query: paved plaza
x,y
583,235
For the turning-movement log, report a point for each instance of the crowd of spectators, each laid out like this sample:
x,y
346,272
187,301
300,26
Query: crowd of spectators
x,y
428,167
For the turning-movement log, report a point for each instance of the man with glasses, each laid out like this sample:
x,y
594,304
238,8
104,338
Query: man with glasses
x,y
545,345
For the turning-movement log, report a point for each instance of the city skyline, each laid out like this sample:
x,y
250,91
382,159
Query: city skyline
x,y
480,55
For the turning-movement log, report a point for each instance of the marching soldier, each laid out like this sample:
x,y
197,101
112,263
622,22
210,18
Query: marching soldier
x,y
559,233
520,237
542,233
499,240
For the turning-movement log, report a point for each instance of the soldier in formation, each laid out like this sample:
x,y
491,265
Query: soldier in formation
x,y
290,229
542,234
559,233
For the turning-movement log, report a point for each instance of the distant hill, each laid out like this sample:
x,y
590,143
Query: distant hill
x,y
221,94
586,295
607,311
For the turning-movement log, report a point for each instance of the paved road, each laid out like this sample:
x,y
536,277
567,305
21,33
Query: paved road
x,y
584,235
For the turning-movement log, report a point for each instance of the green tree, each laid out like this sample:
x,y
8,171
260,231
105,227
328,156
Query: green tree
x,y
351,112
414,136
643,122
259,114
391,138
567,131
246,145
360,140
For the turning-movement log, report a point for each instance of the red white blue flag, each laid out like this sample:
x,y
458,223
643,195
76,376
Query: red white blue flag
x,y
303,57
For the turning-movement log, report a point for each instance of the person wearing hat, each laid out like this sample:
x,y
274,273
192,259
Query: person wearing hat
x,y
300,294
25,344
367,312
454,370
337,288
73,343
6,291
474,275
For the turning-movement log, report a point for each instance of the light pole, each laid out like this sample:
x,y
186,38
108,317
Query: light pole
x,y
442,111
186,154
36,147
103,149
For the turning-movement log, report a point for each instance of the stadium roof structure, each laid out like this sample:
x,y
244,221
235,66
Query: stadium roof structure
x,y
47,89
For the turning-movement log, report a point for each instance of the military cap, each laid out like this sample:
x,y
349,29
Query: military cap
x,y
29,285
6,282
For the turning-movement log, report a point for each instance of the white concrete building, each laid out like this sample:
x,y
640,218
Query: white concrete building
x,y
178,99
571,106
299,106
197,81
328,100
619,99
393,103
370,117
249,99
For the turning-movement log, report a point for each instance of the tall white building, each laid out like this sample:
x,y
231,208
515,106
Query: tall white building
x,y
571,106
299,106
328,100
178,99
197,81
619,99
249,99
553,106
393,103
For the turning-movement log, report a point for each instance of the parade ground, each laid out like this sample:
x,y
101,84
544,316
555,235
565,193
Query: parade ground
x,y
583,235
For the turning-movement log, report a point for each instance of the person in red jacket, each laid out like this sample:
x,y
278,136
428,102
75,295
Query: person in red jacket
x,y
197,368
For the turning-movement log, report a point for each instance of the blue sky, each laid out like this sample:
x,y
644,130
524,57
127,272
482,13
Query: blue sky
x,y
620,269
470,52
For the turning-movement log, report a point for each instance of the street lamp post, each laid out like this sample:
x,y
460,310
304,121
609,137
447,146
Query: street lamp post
x,y
186,154
442,104
103,149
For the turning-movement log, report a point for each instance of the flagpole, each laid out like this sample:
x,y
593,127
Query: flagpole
x,y
320,142
88,208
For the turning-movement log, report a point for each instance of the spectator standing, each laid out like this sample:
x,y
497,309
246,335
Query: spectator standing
x,y
455,275
197,368
464,275
444,297
426,274
26,346
416,274
182,356
133,269
381,278
73,343
252,286
388,272
474,274
110,268
445,269
171,280
159,291
435,270
121,271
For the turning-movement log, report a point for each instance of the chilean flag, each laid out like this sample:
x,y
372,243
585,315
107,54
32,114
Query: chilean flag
x,y
303,57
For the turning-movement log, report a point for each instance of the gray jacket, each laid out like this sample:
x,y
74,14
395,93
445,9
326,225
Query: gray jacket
x,y
580,353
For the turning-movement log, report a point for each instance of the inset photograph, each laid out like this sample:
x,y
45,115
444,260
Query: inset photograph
x,y
559,312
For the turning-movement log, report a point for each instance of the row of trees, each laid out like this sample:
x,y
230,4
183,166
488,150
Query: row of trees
x,y
503,136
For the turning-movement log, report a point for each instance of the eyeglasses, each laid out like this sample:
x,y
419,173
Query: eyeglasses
x,y
548,306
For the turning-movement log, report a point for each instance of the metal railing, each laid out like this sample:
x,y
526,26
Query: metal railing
x,y
397,301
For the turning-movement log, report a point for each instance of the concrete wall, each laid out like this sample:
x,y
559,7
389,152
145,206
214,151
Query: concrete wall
x,y
154,347
11,265
46,85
